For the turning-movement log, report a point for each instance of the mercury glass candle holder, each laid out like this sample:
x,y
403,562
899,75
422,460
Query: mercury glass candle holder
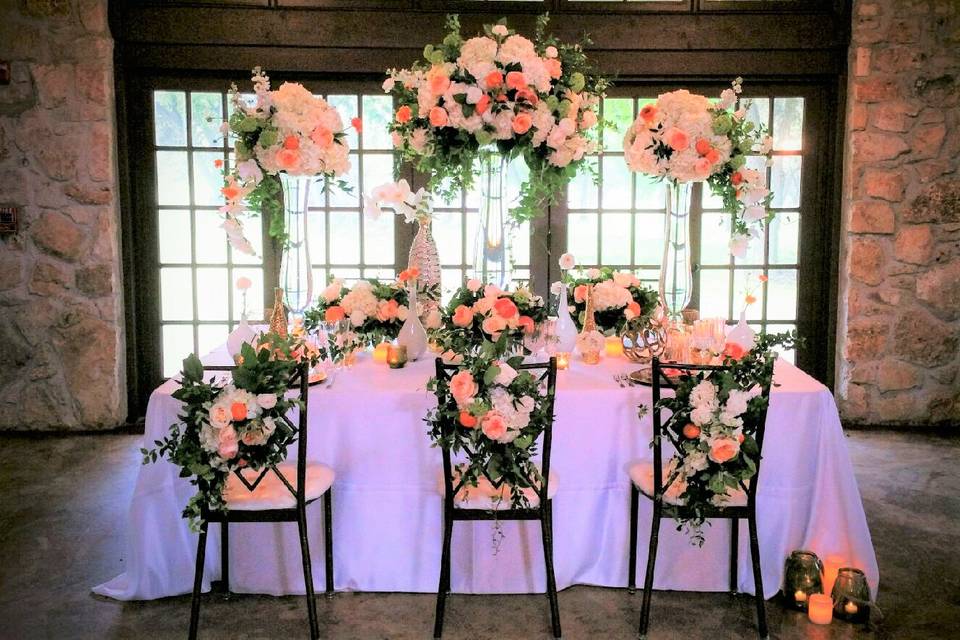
x,y
803,577
851,595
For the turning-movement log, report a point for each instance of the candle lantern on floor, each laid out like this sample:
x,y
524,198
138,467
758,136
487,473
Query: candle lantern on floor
x,y
802,578
851,595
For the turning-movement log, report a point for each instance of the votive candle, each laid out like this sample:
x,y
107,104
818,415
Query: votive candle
x,y
397,357
381,352
613,346
820,608
563,360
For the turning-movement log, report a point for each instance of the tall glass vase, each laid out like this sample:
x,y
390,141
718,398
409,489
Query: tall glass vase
x,y
423,255
492,260
296,276
676,278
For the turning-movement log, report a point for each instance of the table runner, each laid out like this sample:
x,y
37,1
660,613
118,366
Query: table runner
x,y
388,516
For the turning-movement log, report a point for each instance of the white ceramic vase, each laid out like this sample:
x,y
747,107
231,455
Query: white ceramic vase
x,y
566,329
242,334
743,334
412,334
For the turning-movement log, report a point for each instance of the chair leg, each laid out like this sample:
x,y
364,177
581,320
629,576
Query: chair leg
x,y
307,571
762,630
648,580
444,587
328,539
198,581
734,550
634,514
225,558
546,530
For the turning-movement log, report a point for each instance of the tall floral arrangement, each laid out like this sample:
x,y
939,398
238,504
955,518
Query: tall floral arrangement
x,y
532,99
224,427
479,314
713,426
619,299
685,137
286,130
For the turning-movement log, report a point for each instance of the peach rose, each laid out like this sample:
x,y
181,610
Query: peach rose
x,y
723,449
736,178
438,80
483,103
494,79
493,425
553,67
526,322
463,316
703,146
691,431
463,387
493,326
677,139
404,114
648,113
231,191
516,80
505,308
227,445
292,142
322,137
580,293
733,350
334,314
387,310
522,123
238,411
438,117
467,419
219,415
287,158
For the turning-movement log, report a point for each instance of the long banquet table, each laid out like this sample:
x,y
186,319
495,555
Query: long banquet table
x,y
368,425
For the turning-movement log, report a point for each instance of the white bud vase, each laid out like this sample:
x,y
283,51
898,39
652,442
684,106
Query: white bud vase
x,y
743,334
242,334
412,335
566,330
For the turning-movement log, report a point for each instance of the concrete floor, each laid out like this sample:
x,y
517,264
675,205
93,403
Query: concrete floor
x,y
63,503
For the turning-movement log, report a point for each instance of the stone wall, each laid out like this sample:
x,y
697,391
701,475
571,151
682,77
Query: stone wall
x,y
61,312
899,325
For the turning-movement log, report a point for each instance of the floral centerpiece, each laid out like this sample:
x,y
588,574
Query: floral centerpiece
x,y
532,99
372,311
283,131
619,299
685,137
479,314
228,426
713,425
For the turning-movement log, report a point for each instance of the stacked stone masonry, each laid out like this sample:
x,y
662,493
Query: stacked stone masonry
x,y
899,319
60,302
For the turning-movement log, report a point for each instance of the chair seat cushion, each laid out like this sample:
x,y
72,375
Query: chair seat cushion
x,y
272,493
489,498
641,474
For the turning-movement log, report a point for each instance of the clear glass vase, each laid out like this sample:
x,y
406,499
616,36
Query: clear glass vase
x,y
296,275
492,259
676,277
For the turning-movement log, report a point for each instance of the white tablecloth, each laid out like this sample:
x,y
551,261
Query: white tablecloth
x,y
387,514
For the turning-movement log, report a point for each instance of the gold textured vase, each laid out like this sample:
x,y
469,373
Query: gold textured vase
x,y
278,317
590,326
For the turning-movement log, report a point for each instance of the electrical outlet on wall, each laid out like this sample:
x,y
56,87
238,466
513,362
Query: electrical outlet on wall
x,y
4,72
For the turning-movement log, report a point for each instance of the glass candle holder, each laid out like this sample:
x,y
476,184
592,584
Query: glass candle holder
x,y
802,578
397,358
851,595
563,360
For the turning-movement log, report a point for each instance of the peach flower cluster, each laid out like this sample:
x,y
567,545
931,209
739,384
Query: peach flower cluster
x,y
495,312
237,416
501,416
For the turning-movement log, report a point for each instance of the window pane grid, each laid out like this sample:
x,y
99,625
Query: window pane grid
x,y
198,269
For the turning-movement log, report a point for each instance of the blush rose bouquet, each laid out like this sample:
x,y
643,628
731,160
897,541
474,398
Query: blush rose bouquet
x,y
287,130
713,423
485,317
686,137
224,427
535,99
619,299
